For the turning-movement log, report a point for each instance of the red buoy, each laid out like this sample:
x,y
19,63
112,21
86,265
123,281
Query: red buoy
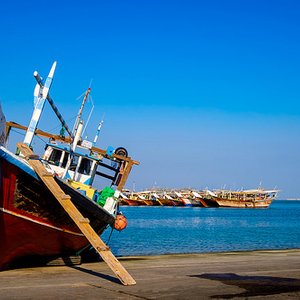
x,y
120,222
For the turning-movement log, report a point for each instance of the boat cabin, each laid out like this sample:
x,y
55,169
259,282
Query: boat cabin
x,y
82,169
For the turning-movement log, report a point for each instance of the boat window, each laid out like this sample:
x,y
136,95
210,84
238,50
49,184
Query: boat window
x,y
55,156
74,163
85,166
66,157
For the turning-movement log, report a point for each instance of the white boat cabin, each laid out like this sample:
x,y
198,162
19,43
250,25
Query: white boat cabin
x,y
82,168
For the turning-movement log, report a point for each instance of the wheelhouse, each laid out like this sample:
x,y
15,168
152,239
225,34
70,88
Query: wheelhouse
x,y
84,165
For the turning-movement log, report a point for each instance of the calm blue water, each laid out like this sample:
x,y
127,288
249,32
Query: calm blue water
x,y
161,230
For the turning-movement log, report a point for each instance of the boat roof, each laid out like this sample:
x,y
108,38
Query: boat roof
x,y
251,191
64,147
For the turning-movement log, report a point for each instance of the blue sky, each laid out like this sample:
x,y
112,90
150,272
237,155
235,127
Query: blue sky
x,y
202,93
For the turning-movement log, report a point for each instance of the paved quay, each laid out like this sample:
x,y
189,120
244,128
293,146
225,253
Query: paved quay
x,y
231,275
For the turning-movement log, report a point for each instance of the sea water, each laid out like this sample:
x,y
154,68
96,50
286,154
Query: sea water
x,y
163,230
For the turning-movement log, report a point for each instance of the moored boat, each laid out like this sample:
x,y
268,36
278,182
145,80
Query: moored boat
x,y
133,199
199,197
255,198
189,198
149,198
164,199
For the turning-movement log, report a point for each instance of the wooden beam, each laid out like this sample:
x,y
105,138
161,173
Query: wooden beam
x,y
56,137
127,169
119,157
38,132
77,217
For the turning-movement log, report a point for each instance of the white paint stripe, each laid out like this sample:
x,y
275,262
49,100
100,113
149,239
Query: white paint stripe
x,y
34,120
49,81
38,222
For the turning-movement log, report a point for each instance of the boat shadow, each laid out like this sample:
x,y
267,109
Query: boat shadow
x,y
97,274
70,261
254,285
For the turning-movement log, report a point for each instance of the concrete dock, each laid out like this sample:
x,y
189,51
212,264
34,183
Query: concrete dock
x,y
232,275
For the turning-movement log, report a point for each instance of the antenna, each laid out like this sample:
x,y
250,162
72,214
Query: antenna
x,y
98,131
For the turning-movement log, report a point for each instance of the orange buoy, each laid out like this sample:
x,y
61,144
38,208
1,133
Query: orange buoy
x,y
120,222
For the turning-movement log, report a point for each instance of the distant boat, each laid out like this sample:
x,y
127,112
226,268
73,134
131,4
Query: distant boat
x,y
163,198
255,198
132,199
190,198
149,198
33,224
144,198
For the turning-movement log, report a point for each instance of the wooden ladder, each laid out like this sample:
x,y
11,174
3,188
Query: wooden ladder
x,y
77,217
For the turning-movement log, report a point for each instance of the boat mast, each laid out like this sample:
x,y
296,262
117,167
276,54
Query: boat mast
x,y
41,93
78,126
78,119
51,102
40,96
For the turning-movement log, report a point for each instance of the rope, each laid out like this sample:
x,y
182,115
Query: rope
x,y
41,139
110,236
14,130
91,247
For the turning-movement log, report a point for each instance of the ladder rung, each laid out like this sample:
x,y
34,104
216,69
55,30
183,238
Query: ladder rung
x,y
47,174
103,248
84,220
32,156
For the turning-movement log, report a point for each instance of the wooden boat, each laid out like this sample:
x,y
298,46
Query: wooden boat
x,y
148,198
199,197
172,200
255,198
41,199
133,200
124,200
184,199
188,198
164,199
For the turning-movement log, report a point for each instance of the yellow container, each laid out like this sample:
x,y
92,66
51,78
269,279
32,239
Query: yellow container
x,y
83,187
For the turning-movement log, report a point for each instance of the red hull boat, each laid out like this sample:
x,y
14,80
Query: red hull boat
x,y
49,208
32,222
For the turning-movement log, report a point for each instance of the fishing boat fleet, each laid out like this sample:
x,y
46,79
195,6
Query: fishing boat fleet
x,y
255,198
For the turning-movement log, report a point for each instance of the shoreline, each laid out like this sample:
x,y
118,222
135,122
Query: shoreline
x,y
272,274
127,257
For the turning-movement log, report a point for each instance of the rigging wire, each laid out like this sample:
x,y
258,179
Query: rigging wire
x,y
53,129
16,131
90,114
79,97
41,139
